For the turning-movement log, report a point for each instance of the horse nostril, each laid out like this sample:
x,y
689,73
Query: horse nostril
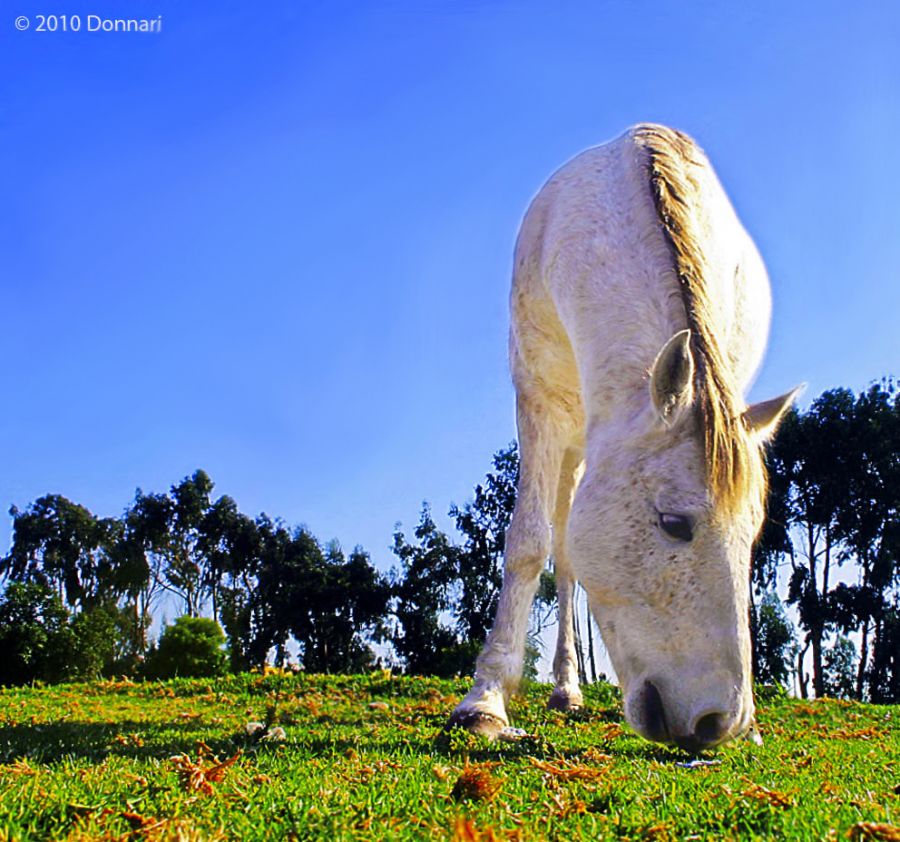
x,y
654,715
710,728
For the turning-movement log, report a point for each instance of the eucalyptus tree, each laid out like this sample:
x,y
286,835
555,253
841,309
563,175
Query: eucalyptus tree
x,y
340,611
61,544
834,503
233,545
168,528
35,636
424,593
868,520
811,451
479,561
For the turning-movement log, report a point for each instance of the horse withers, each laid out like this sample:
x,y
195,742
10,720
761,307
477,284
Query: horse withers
x,y
639,315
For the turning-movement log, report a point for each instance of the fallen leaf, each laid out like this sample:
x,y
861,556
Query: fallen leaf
x,y
20,767
874,831
769,796
567,771
464,830
476,783
611,731
870,733
195,778
661,831
139,822
441,772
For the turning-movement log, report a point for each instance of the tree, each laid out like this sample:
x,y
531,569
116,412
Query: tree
x,y
840,672
884,674
222,545
341,610
35,637
280,580
185,573
868,516
423,592
97,643
810,449
483,524
441,581
142,561
169,527
834,501
234,546
60,544
774,642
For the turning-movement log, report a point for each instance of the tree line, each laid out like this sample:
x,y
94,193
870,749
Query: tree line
x,y
832,543
81,592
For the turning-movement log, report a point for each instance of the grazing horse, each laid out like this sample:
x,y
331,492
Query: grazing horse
x,y
639,315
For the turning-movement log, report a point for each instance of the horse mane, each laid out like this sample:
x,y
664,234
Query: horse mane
x,y
734,460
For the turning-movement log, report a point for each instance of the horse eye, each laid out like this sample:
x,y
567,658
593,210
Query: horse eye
x,y
676,526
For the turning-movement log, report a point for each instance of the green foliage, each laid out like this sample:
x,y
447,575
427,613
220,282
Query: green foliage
x,y
835,499
532,657
361,761
884,673
339,607
191,647
35,638
834,509
96,642
840,672
774,642
169,527
423,597
445,595
483,524
60,544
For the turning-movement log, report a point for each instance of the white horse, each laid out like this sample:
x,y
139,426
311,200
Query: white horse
x,y
640,310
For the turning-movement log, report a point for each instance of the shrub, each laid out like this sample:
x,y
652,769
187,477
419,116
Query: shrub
x,y
191,647
95,635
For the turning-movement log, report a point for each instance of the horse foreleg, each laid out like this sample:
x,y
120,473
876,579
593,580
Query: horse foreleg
x,y
499,667
566,694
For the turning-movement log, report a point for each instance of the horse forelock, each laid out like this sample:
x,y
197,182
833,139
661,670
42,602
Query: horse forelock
x,y
734,462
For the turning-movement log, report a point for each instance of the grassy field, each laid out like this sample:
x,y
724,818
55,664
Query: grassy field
x,y
364,757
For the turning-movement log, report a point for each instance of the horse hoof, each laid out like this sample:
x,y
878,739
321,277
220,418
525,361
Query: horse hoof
x,y
476,722
560,700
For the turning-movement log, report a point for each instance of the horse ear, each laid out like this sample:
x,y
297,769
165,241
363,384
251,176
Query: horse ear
x,y
672,378
763,418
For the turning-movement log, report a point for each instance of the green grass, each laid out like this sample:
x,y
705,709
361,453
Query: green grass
x,y
364,757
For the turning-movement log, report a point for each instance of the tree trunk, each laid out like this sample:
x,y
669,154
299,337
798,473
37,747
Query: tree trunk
x,y
818,677
754,643
590,629
802,677
579,653
863,660
136,642
815,624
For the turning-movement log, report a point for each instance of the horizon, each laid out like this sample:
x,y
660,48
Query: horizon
x,y
278,246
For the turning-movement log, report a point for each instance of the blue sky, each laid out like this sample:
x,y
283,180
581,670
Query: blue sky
x,y
274,241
